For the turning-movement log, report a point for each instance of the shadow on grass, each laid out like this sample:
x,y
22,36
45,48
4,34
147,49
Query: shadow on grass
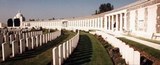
x,y
82,54
35,52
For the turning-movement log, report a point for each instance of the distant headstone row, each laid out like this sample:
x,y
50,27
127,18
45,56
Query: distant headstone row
x,y
8,38
28,41
131,57
63,51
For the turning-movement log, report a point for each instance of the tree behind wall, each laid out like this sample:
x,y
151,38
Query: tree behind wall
x,y
104,8
10,22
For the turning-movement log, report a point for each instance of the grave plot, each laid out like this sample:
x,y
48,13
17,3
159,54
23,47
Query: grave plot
x,y
19,45
42,53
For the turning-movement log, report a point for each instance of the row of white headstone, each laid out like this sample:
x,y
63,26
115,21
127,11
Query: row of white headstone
x,y
131,57
9,38
28,43
61,52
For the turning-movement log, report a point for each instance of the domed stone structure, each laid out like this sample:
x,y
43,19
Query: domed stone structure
x,y
20,17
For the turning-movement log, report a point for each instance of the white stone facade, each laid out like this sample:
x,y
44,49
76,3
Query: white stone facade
x,y
140,18
2,25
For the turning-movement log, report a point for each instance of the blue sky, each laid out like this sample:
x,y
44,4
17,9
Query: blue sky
x,y
45,9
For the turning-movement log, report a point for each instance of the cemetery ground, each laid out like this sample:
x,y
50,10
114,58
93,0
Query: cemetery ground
x,y
149,40
89,51
41,55
151,52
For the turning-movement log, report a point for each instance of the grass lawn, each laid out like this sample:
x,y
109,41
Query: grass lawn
x,y
153,52
41,55
89,52
149,40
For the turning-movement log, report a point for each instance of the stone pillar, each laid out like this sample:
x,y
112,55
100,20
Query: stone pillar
x,y
121,27
109,22
113,21
97,22
117,22
125,21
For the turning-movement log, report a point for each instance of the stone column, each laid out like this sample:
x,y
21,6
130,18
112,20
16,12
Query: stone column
x,y
121,27
109,22
97,22
117,22
106,22
125,21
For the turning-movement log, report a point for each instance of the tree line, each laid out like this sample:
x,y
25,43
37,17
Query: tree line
x,y
104,8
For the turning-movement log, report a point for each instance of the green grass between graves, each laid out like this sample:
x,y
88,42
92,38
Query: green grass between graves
x,y
41,55
149,40
153,52
89,52
100,55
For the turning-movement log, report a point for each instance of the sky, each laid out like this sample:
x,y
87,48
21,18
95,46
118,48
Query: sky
x,y
46,9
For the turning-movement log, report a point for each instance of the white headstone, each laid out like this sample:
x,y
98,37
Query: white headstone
x,y
6,51
136,58
37,40
55,56
15,48
28,43
22,45
33,41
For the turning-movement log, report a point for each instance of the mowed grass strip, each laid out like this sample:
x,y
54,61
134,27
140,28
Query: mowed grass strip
x,y
41,55
89,52
153,52
100,55
149,40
